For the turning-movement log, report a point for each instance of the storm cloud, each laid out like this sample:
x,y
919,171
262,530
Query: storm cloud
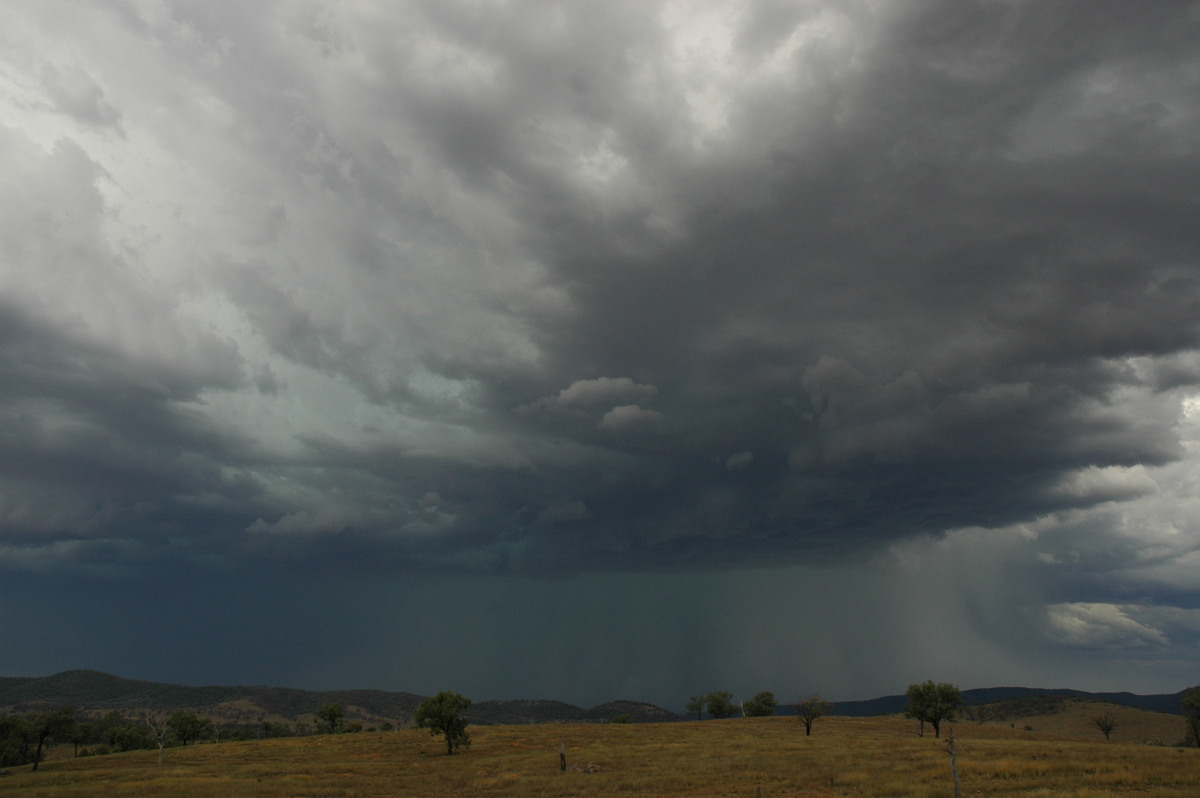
x,y
540,299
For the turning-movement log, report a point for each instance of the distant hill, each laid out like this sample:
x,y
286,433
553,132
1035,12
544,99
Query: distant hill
x,y
101,692
543,711
888,705
96,691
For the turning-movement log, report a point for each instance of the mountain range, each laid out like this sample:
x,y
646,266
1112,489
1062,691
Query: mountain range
x,y
93,691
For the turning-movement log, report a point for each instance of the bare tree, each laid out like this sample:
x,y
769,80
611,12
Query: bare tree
x,y
160,730
1105,724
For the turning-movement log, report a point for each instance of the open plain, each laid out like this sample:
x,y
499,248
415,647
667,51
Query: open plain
x,y
739,757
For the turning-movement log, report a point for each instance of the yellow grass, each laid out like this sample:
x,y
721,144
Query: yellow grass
x,y
739,757
1076,719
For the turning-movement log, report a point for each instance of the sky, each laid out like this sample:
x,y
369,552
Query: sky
x,y
591,351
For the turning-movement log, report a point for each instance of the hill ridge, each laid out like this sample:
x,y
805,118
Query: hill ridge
x,y
92,690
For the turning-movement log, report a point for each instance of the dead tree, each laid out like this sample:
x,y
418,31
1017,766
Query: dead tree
x,y
159,730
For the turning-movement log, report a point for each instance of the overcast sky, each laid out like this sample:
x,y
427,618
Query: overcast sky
x,y
601,350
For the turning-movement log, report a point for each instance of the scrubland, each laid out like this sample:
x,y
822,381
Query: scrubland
x,y
736,757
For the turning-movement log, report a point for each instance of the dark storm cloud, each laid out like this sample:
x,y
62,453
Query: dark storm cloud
x,y
899,275
922,319
567,290
105,454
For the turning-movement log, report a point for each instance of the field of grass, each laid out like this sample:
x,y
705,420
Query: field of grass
x,y
737,757
1075,718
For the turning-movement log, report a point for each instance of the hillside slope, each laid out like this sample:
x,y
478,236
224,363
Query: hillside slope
x,y
888,705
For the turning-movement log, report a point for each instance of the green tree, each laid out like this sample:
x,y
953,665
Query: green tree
x,y
932,703
719,704
762,705
696,704
80,735
57,724
442,714
331,715
188,726
127,737
15,736
1191,713
810,708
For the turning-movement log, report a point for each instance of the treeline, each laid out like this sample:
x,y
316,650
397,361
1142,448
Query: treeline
x,y
24,737
720,705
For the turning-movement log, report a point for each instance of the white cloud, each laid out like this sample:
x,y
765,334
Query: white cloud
x,y
1111,483
1099,625
589,393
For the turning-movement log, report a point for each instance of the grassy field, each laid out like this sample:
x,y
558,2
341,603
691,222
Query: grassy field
x,y
738,757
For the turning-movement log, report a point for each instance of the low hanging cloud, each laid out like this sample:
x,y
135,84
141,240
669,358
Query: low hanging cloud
x,y
625,416
563,513
739,461
593,393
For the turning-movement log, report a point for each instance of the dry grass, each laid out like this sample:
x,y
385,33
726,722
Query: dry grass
x,y
1077,720
742,757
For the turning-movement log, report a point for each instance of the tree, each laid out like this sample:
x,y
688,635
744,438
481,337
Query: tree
x,y
127,736
810,708
15,735
696,704
442,714
761,705
331,715
80,734
720,704
160,730
932,703
57,724
188,726
1105,724
1191,713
